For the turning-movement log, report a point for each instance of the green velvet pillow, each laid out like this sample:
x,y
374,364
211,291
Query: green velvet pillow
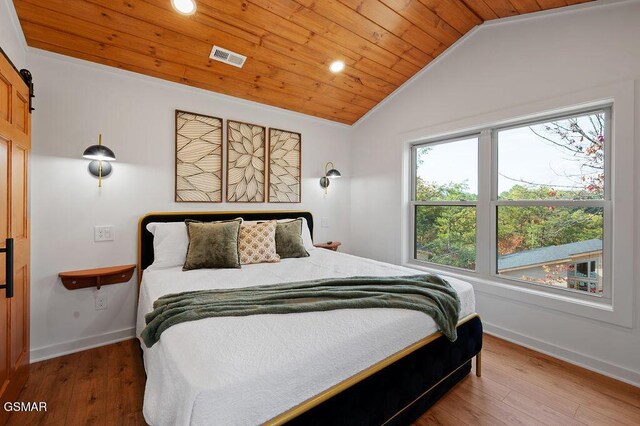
x,y
213,244
289,239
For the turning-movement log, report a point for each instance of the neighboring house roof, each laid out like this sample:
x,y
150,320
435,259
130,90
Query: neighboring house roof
x,y
548,254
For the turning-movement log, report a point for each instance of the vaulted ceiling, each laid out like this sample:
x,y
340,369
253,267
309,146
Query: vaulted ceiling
x,y
289,43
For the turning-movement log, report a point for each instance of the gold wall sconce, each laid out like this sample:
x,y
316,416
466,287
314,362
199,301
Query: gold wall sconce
x,y
330,173
101,156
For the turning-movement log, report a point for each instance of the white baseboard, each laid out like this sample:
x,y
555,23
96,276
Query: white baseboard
x,y
48,352
572,357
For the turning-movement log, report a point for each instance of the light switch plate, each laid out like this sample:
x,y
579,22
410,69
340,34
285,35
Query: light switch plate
x,y
324,222
103,233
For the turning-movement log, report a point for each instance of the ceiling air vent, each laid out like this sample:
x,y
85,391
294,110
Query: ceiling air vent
x,y
227,56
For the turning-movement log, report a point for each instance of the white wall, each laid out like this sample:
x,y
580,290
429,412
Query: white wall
x,y
501,67
11,38
76,100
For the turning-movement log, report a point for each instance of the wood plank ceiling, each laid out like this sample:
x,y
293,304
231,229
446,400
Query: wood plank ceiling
x,y
289,43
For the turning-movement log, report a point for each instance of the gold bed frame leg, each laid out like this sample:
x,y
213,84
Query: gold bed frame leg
x,y
479,364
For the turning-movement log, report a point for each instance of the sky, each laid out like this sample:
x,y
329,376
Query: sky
x,y
521,155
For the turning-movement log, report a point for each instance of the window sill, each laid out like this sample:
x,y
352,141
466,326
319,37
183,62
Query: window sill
x,y
492,286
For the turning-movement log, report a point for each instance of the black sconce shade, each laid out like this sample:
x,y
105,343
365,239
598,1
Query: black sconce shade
x,y
100,153
333,173
100,156
329,173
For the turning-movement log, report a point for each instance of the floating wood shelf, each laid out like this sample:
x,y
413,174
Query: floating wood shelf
x,y
332,245
97,277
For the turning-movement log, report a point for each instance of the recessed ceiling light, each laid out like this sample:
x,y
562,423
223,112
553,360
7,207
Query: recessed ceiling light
x,y
336,66
186,7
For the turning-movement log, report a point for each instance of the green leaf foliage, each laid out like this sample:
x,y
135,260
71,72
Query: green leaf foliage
x,y
447,234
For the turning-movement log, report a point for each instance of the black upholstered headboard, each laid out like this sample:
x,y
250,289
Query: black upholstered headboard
x,y
145,238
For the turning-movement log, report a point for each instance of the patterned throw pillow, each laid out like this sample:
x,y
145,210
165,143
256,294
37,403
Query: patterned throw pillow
x,y
258,243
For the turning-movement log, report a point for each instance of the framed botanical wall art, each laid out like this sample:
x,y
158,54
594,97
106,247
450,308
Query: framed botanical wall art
x,y
198,158
285,161
245,162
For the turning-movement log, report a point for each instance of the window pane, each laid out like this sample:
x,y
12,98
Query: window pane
x,y
555,246
447,171
561,159
446,235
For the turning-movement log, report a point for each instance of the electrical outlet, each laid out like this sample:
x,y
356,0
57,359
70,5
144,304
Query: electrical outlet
x,y
324,222
101,299
103,233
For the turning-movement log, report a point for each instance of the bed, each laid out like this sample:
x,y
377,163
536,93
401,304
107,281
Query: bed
x,y
351,366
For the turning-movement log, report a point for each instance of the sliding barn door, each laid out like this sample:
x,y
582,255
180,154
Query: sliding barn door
x,y
15,143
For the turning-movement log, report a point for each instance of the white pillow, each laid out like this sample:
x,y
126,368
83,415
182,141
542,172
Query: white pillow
x,y
306,235
307,241
170,244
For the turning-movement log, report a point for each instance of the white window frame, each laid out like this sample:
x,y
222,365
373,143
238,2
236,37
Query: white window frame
x,y
488,146
617,308
605,203
461,203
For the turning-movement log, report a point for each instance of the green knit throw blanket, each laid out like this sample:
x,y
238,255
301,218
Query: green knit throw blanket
x,y
426,293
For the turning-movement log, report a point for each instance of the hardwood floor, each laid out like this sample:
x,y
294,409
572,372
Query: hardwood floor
x,y
521,386
101,386
104,386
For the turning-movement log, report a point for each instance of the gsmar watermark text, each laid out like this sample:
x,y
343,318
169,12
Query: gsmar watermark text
x,y
25,406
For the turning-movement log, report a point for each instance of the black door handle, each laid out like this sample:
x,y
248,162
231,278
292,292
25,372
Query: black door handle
x,y
8,249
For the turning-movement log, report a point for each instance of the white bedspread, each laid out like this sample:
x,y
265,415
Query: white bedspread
x,y
247,370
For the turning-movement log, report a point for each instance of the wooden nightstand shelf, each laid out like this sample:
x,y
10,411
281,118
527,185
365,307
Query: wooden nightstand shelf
x,y
331,245
97,277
